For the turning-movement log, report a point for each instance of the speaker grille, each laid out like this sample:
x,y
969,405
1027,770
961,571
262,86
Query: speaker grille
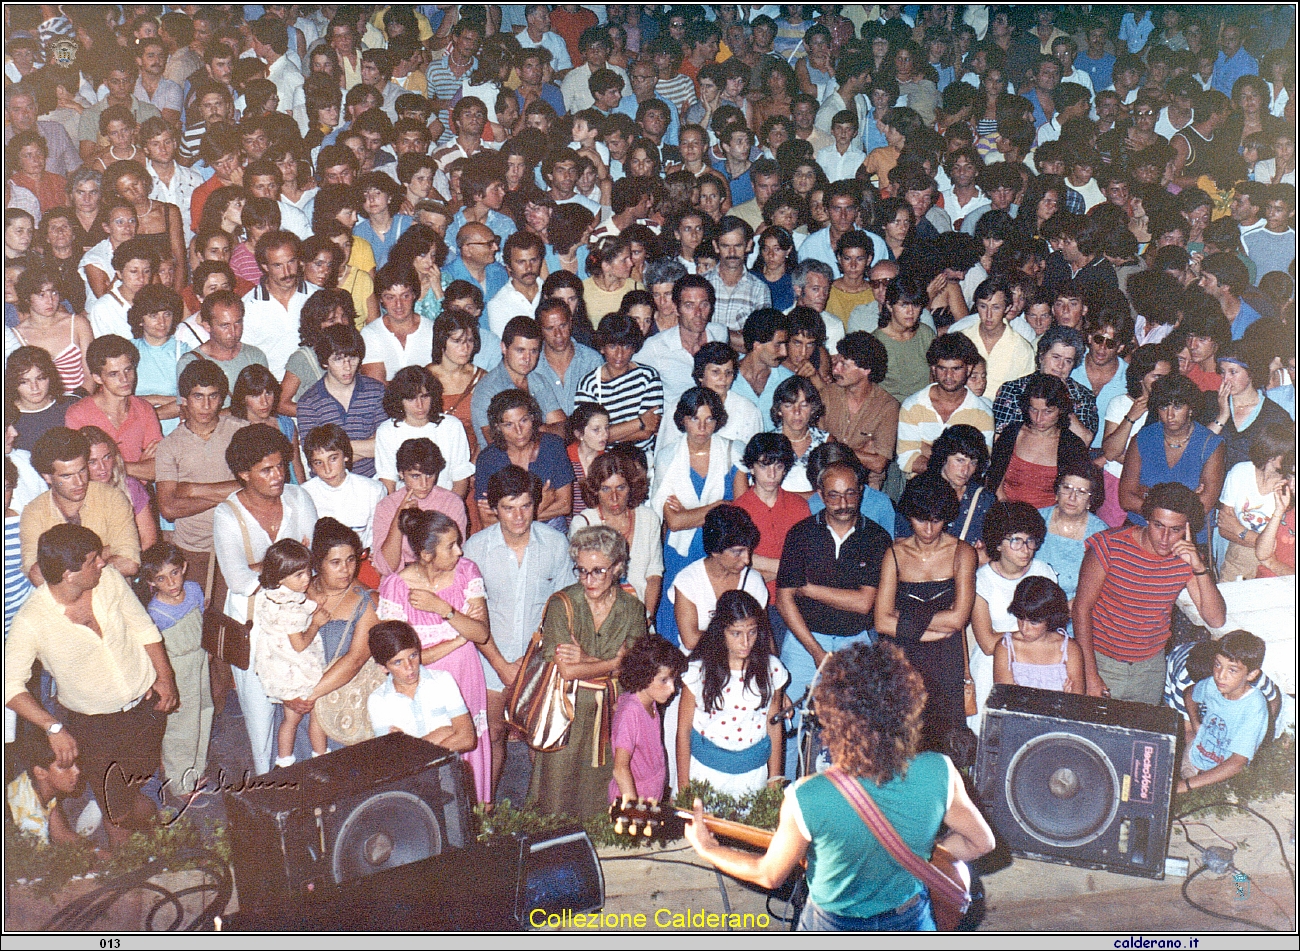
x,y
1062,789
386,830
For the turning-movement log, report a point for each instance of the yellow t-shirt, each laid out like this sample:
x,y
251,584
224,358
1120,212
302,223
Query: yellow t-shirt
x,y
841,303
361,287
363,255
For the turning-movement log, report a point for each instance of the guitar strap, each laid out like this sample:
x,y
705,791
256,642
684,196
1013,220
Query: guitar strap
x,y
867,810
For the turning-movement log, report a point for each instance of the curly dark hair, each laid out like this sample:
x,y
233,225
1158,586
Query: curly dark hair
x,y
728,526
1051,391
408,383
930,500
869,701
505,401
711,652
609,464
1005,519
641,664
1142,361
1174,390
961,439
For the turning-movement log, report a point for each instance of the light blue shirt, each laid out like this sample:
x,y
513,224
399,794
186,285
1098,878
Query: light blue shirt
x,y
517,591
818,247
763,400
628,106
383,245
564,391
1117,386
502,226
436,703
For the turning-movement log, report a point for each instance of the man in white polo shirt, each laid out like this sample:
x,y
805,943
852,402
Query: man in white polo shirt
x,y
523,255
272,309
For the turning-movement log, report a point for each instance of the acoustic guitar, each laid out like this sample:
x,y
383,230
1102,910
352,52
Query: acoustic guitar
x,y
650,819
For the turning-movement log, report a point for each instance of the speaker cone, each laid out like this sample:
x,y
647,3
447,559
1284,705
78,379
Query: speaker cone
x,y
387,830
1062,789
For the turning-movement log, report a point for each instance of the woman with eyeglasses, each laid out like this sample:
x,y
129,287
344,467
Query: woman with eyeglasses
x,y
587,629
616,489
1071,522
1013,532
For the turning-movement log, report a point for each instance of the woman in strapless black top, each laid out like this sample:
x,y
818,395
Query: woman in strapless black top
x,y
927,590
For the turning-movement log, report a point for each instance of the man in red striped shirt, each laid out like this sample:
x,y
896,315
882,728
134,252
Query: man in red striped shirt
x,y
1128,583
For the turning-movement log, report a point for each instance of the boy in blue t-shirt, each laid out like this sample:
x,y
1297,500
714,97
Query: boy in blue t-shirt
x,y
1227,715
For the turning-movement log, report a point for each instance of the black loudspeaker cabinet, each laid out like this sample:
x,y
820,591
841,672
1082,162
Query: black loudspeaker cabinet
x,y
1078,780
510,883
360,811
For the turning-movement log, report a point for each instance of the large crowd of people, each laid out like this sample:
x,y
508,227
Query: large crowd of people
x,y
708,340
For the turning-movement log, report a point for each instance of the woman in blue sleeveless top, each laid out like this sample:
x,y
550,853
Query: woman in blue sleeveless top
x,y
869,701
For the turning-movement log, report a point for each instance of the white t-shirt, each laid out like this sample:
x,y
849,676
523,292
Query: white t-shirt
x,y
448,435
383,347
352,503
693,582
742,721
1241,493
437,702
1116,410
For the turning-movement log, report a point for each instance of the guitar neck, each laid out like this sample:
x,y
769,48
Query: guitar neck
x,y
750,835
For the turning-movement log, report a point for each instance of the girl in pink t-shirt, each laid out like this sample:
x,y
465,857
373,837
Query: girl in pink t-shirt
x,y
648,677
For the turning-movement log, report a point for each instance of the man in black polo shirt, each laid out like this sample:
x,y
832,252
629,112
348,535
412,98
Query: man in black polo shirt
x,y
843,551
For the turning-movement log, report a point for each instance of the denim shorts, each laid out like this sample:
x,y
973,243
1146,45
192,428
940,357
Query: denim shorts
x,y
913,915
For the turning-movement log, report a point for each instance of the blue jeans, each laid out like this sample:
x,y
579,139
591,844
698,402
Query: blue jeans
x,y
916,916
802,670
779,628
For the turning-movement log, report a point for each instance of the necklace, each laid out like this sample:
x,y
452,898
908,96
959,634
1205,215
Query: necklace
x,y
342,594
1174,445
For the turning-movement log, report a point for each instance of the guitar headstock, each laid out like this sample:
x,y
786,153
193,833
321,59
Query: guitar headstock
x,y
645,818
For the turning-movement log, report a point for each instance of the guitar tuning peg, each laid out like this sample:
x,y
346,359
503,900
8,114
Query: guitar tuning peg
x,y
632,828
620,826
650,828
654,807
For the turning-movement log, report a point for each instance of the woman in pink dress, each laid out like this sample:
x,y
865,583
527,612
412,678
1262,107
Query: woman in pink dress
x,y
441,595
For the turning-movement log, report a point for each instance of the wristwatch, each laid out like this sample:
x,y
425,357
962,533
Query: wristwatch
x,y
1241,535
54,728
450,614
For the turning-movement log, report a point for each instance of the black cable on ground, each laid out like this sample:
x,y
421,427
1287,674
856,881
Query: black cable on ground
x,y
1188,881
1214,914
1267,821
84,915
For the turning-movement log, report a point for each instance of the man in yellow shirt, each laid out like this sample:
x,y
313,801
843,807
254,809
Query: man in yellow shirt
x,y
62,457
116,685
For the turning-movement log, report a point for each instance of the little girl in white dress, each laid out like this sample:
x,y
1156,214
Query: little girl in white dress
x,y
288,655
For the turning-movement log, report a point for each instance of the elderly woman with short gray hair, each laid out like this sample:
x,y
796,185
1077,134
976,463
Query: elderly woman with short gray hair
x,y
587,629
